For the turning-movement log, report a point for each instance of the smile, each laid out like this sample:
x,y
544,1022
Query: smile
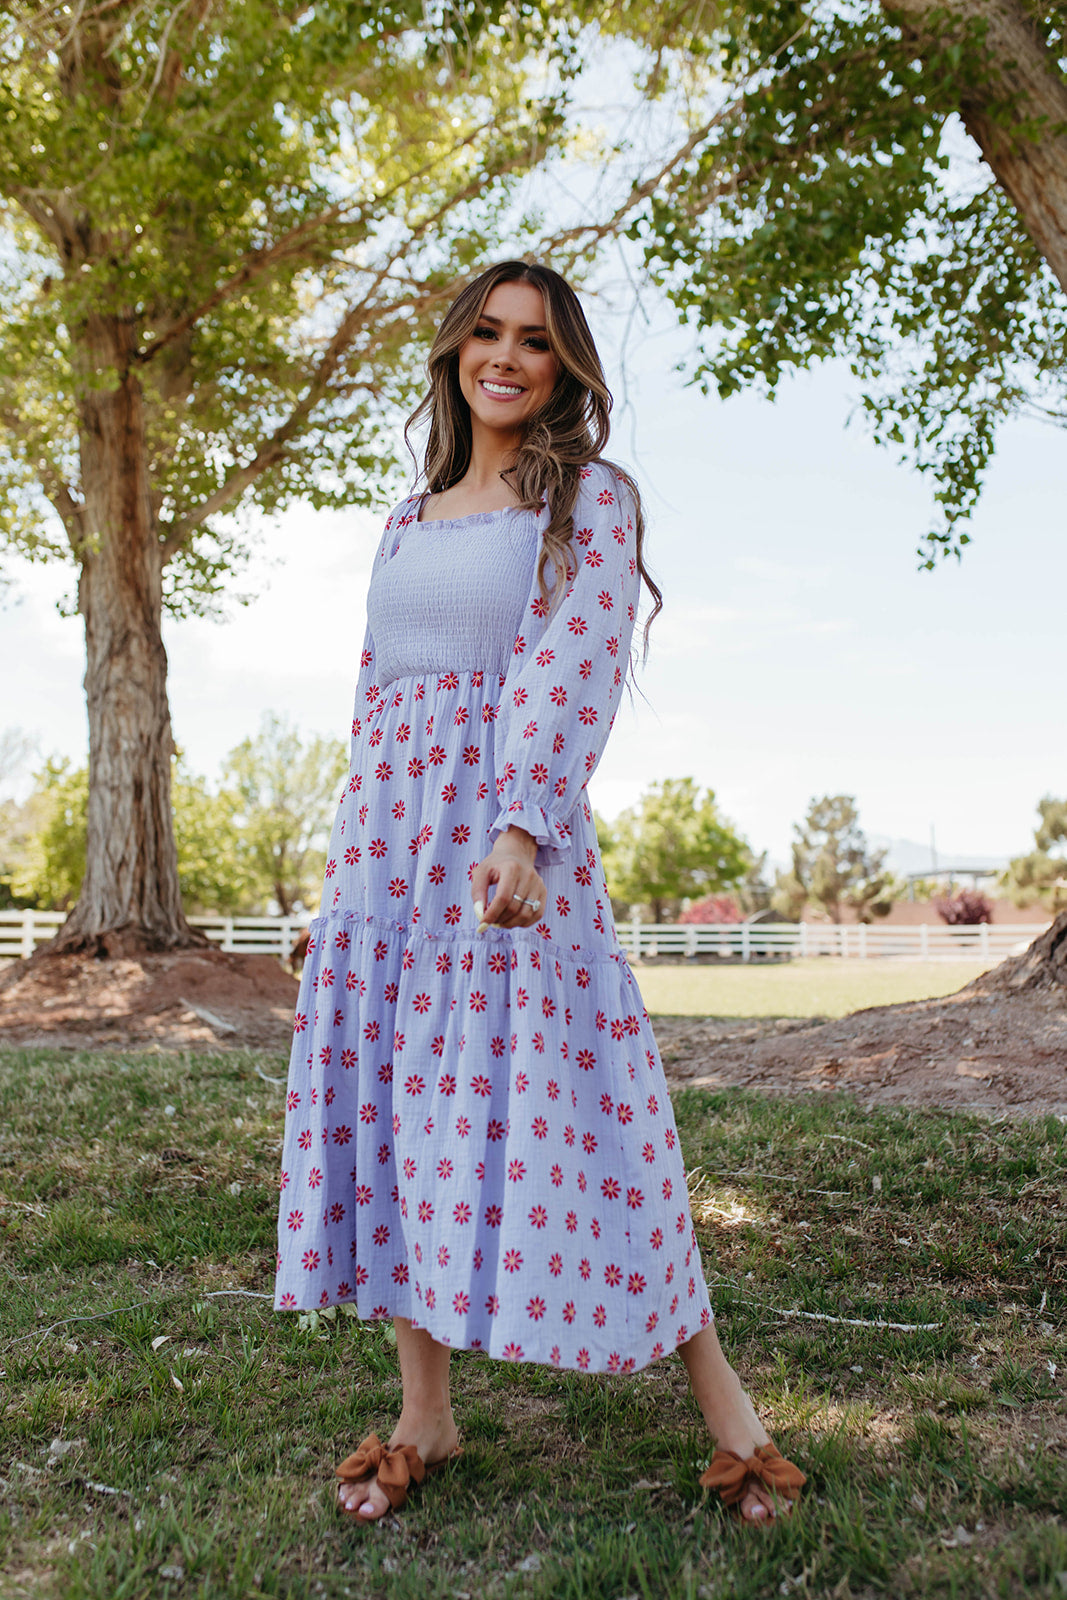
x,y
507,390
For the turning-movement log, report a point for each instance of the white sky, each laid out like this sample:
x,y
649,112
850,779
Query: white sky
x,y
800,651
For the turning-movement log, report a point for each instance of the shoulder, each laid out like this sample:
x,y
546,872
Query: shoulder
x,y
402,516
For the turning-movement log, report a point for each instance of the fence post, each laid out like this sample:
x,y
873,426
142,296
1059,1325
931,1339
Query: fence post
x,y
924,940
635,938
746,942
29,943
227,933
690,940
287,938
863,940
983,943
803,937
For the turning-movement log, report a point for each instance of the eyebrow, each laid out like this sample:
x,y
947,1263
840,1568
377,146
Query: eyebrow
x,y
530,327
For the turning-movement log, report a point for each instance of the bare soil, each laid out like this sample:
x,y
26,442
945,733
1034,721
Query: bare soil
x,y
181,1000
998,1045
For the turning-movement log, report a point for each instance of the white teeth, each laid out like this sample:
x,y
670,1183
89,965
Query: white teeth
x,y
501,388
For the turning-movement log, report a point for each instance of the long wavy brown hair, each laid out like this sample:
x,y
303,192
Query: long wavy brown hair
x,y
568,433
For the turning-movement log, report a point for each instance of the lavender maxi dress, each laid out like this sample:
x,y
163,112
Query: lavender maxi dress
x,y
478,1135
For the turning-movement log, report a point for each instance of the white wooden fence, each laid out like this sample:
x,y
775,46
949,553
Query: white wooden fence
x,y
22,931
761,940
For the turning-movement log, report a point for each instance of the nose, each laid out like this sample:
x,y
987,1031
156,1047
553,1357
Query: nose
x,y
504,355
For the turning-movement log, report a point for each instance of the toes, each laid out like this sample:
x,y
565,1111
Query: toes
x,y
364,1500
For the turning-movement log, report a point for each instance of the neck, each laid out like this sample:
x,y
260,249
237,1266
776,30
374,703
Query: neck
x,y
492,452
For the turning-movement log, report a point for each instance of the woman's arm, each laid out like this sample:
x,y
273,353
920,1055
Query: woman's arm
x,y
562,692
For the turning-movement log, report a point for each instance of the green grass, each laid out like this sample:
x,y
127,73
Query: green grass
x,y
197,1430
812,988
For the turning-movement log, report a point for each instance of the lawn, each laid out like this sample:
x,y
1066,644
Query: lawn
x,y
820,987
166,1434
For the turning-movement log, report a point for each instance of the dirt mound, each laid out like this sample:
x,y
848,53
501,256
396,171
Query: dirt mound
x,y
981,1049
177,1000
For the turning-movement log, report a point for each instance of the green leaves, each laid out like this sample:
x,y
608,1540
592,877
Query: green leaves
x,y
1041,876
833,865
672,845
257,837
832,210
257,210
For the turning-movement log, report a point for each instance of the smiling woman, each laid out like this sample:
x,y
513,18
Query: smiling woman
x,y
479,1143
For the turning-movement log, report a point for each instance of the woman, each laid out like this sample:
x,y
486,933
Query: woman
x,y
479,1142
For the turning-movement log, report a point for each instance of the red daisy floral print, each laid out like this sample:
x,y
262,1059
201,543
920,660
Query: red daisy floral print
x,y
459,1105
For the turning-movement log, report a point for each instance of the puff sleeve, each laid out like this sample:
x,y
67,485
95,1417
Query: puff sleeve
x,y
565,681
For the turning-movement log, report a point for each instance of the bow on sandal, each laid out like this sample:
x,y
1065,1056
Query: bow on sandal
x,y
395,1470
766,1466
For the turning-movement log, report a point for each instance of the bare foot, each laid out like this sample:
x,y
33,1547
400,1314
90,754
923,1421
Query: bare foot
x,y
434,1439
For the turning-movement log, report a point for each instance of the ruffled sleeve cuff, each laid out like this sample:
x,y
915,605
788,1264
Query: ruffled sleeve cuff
x,y
553,835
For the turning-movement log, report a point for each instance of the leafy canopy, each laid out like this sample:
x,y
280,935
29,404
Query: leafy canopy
x,y
671,845
252,209
833,865
831,207
1041,876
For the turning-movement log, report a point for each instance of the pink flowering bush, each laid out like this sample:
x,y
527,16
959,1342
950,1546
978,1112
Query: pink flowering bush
x,y
965,908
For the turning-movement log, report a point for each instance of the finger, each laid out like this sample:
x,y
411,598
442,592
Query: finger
x,y
480,886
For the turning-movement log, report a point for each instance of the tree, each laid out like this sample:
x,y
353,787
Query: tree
x,y
287,793
215,874
671,845
224,229
1041,876
833,864
823,213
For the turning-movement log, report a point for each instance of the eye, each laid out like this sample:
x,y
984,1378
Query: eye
x,y
484,333
538,343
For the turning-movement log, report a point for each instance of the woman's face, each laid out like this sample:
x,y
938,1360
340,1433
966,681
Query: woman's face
x,y
506,369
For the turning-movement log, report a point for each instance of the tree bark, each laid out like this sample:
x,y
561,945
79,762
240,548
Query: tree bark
x,y
130,898
1017,116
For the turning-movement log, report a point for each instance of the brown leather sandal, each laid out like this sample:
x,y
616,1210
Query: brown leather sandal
x,y
766,1468
396,1471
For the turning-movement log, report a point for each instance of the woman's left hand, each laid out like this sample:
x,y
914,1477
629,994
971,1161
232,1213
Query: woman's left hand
x,y
519,897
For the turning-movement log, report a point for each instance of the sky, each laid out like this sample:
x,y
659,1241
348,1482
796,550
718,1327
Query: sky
x,y
800,651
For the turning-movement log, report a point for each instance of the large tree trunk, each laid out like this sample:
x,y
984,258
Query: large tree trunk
x,y
1027,148
130,899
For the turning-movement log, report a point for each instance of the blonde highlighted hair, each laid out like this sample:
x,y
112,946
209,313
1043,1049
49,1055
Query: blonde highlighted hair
x,y
568,433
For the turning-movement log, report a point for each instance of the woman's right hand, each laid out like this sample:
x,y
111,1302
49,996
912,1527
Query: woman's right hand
x,y
519,891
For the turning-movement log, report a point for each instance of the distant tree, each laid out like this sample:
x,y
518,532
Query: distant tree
x,y
287,792
833,865
714,908
754,892
213,871
965,908
671,845
19,820
1041,877
52,865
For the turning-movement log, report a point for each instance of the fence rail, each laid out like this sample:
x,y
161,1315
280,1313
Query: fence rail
x,y
762,941
22,931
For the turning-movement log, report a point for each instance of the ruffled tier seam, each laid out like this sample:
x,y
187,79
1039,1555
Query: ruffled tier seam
x,y
414,935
